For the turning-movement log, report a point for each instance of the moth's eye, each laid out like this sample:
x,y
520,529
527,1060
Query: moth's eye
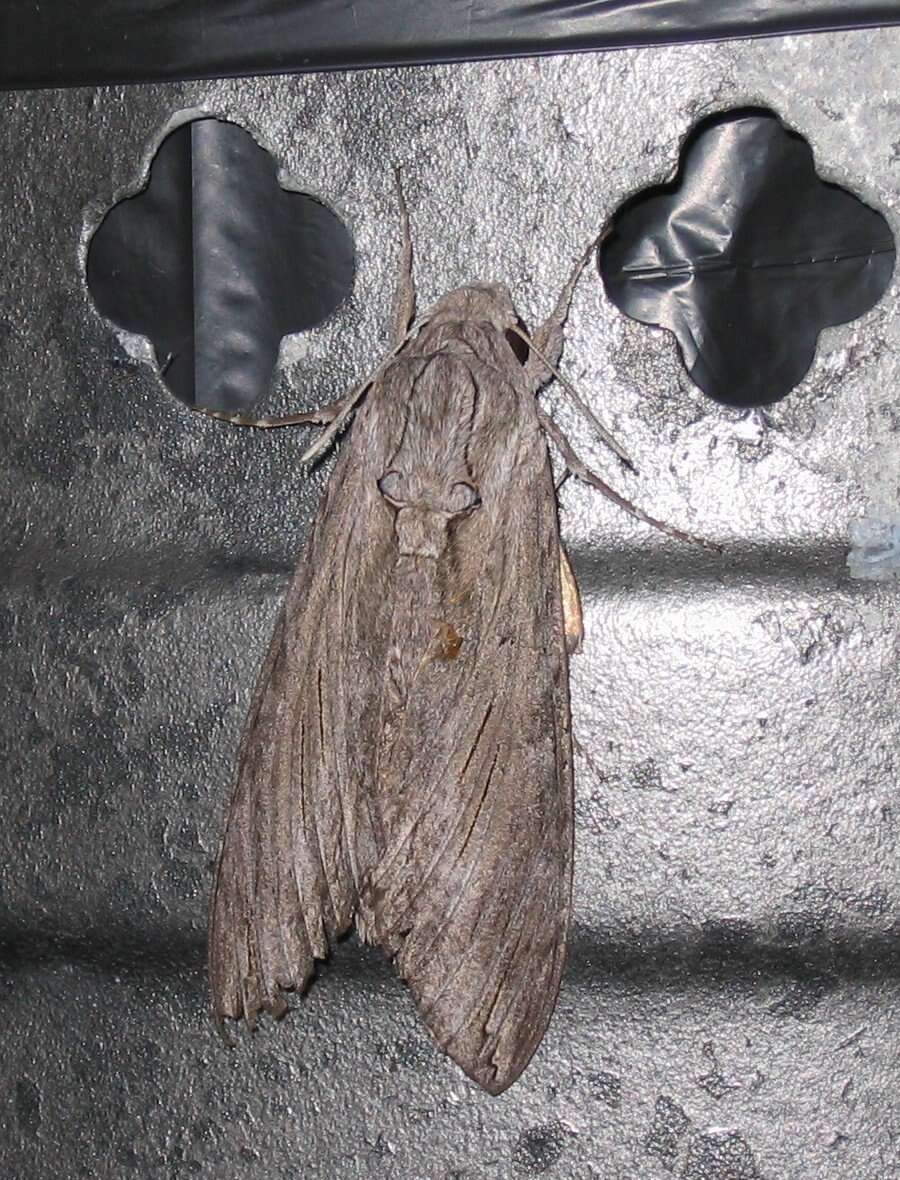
x,y
517,344
392,486
462,498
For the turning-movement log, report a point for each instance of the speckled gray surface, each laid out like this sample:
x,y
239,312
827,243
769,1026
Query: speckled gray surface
x,y
731,1008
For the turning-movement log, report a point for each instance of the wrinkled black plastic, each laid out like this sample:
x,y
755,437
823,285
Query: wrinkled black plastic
x,y
746,257
61,42
215,262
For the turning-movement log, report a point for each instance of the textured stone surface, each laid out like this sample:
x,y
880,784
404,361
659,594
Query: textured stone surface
x,y
731,1004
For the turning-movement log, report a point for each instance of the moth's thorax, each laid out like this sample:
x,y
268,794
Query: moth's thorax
x,y
458,370
428,478
488,303
477,324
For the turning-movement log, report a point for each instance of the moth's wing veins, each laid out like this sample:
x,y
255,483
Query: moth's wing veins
x,y
299,836
472,894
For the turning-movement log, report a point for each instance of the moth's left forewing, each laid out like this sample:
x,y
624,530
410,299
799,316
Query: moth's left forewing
x,y
473,891
302,831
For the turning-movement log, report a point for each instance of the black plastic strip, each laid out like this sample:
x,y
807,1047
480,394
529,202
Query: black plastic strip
x,y
215,262
71,42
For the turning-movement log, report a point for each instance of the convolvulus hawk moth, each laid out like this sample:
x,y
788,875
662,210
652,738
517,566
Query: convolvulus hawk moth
x,y
407,762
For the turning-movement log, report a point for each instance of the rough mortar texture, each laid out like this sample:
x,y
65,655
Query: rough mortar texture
x,y
731,1005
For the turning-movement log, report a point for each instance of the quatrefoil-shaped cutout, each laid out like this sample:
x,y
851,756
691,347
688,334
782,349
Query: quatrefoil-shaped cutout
x,y
746,256
215,262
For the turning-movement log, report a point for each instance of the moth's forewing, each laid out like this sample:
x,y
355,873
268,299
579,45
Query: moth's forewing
x,y
407,759
300,834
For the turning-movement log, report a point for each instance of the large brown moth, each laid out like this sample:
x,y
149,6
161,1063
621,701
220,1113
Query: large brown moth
x,y
407,761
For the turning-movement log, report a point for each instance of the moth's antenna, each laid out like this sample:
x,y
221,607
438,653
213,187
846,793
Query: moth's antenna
x,y
557,319
578,401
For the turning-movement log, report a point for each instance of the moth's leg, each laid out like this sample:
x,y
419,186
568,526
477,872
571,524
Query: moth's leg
x,y
335,413
548,336
320,417
583,472
546,347
573,619
404,307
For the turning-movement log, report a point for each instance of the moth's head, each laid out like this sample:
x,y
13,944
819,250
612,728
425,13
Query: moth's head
x,y
485,302
480,303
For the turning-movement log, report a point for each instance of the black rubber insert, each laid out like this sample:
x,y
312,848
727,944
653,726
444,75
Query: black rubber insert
x,y
746,257
215,262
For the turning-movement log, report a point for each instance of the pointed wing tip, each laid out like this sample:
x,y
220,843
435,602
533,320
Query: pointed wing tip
x,y
495,1085
493,1078
225,1015
492,1066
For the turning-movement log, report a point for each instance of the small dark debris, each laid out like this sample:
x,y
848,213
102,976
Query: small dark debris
x,y
719,1156
607,1087
28,1106
539,1147
666,1131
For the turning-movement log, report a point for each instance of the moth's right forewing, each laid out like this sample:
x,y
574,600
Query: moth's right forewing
x,y
301,834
